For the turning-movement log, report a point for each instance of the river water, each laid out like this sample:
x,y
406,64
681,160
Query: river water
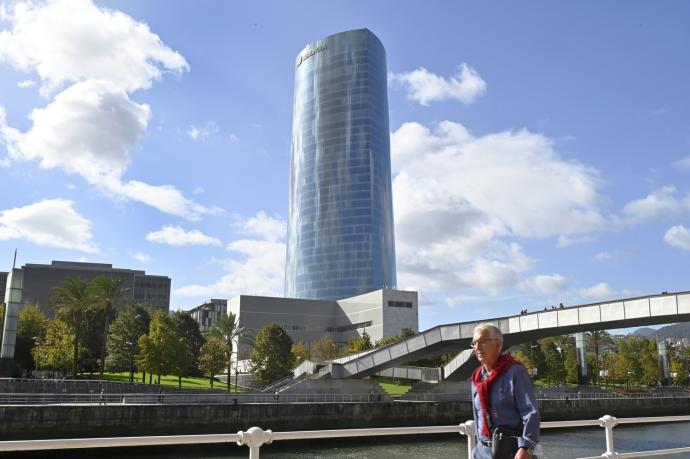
x,y
557,444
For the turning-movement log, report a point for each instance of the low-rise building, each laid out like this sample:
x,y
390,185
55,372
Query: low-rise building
x,y
40,279
208,313
381,313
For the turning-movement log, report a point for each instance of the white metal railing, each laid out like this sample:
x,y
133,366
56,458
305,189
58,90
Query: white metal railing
x,y
256,437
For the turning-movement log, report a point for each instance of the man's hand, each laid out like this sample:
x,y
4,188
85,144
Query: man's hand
x,y
522,453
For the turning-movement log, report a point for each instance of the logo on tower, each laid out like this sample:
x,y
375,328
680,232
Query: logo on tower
x,y
309,54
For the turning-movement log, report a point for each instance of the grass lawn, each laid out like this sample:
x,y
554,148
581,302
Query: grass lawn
x,y
393,387
190,382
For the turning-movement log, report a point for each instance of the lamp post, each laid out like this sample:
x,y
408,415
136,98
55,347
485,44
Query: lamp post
x,y
131,348
37,342
562,369
237,367
533,370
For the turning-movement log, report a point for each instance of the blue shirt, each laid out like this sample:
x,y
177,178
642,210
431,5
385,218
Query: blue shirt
x,y
513,405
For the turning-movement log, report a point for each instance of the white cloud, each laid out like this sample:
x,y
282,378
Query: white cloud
x,y
659,204
683,163
546,284
269,228
424,86
165,198
50,222
198,190
600,291
66,41
602,256
259,271
201,133
678,236
459,199
174,235
142,257
259,268
26,84
89,129
567,241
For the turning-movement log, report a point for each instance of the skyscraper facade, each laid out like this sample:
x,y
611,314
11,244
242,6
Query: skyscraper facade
x,y
340,225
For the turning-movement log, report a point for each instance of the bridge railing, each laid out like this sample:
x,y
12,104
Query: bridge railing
x,y
255,437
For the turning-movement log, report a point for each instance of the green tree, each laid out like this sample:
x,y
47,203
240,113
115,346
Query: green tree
x,y
571,366
324,349
55,352
163,350
300,352
72,299
272,358
359,344
109,293
228,329
628,368
31,331
123,339
188,328
649,352
556,351
212,357
596,339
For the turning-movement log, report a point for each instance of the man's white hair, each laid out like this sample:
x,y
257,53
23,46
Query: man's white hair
x,y
491,328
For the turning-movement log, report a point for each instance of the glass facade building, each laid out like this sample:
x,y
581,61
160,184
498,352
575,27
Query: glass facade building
x,y
340,225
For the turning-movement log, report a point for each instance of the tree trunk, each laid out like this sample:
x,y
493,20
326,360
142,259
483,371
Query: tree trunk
x,y
211,381
179,382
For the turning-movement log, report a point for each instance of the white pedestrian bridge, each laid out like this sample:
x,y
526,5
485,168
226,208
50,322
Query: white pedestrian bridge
x,y
442,339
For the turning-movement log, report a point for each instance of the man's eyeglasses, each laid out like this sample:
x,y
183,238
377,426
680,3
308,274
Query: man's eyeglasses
x,y
476,344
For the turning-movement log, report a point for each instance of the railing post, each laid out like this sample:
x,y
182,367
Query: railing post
x,y
608,423
254,438
468,429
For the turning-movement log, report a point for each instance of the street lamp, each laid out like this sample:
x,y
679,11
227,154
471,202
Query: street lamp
x,y
560,354
131,349
37,342
532,371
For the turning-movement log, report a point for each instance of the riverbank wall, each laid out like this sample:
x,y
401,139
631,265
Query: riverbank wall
x,y
65,421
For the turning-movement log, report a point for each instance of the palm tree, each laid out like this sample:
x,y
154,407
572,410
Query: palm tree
x,y
596,339
108,292
72,299
228,329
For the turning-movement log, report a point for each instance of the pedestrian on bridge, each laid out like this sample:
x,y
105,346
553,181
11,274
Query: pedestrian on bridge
x,y
505,409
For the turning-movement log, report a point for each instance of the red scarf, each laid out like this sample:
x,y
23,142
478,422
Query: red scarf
x,y
504,362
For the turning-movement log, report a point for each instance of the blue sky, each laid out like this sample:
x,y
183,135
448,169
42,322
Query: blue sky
x,y
541,150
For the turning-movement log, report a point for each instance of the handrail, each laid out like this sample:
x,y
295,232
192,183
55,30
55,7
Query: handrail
x,y
172,398
256,437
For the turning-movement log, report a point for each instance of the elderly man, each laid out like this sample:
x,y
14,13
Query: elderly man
x,y
502,398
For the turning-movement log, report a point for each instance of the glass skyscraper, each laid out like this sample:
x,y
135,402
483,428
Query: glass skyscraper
x,y
340,226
